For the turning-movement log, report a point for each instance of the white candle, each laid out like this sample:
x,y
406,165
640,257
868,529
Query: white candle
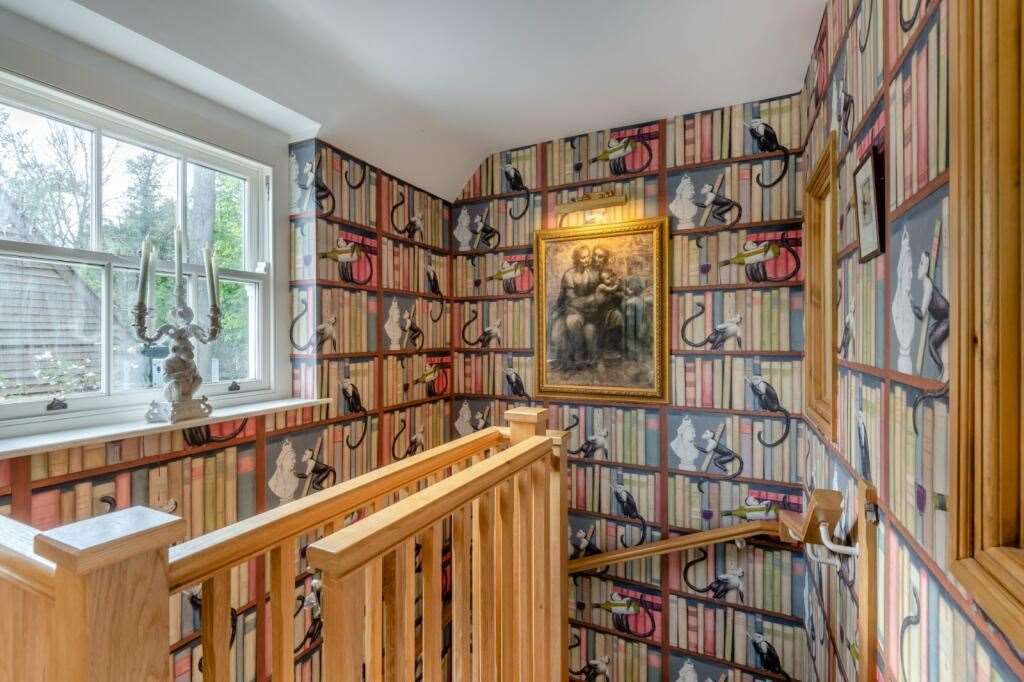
x,y
144,262
179,286
211,277
216,281
151,282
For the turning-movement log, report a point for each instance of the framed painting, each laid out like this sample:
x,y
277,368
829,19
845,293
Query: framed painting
x,y
867,187
601,302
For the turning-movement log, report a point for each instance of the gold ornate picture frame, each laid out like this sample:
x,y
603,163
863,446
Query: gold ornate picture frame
x,y
602,301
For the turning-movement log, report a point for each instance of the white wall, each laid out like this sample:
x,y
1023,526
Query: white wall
x,y
36,52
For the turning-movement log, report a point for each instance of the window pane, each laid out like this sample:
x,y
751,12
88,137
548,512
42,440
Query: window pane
x,y
45,187
137,365
216,211
140,195
229,357
51,328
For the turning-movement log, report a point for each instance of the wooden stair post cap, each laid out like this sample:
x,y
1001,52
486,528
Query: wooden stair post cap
x,y
526,414
87,545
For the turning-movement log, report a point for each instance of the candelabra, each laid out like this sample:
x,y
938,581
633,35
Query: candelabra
x,y
181,375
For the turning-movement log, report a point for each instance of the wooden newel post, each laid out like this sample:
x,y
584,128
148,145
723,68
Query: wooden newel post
x,y
524,422
111,591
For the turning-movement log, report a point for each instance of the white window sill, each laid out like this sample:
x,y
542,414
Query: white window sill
x,y
20,446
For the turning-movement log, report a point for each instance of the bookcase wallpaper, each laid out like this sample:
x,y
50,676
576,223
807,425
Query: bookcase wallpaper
x,y
878,84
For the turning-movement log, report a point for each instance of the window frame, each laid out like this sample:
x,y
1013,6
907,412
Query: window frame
x,y
820,368
25,416
987,369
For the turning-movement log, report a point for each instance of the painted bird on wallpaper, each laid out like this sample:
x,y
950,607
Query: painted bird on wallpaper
x,y
767,141
433,377
623,607
347,254
767,656
755,255
768,401
723,331
507,274
514,180
720,587
616,151
591,445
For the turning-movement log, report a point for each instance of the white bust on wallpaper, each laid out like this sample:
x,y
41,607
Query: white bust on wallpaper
x,y
903,320
683,444
464,422
462,232
393,326
682,206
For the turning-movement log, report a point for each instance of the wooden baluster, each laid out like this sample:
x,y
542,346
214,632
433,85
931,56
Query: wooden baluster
x,y
430,559
400,613
523,543
461,587
484,623
504,563
282,607
539,573
558,558
110,599
343,627
373,627
216,627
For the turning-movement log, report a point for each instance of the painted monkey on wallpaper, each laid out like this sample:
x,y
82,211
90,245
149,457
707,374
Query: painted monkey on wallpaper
x,y
907,24
863,445
767,141
617,149
353,405
312,179
767,656
719,455
195,599
515,384
848,325
768,401
627,505
412,227
590,445
347,254
319,336
720,206
596,670
411,331
927,395
729,329
623,607
312,602
415,445
908,622
864,27
720,587
516,184
755,255
583,545
936,306
481,420
485,237
362,178
319,471
489,335
434,287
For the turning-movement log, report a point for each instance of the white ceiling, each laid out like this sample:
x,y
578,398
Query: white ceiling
x,y
426,89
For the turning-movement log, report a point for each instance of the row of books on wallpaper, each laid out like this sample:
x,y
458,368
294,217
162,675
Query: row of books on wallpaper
x,y
765,319
726,633
641,202
767,449
495,374
919,467
701,504
723,382
492,224
898,39
624,659
608,491
338,173
494,324
737,257
323,250
919,114
691,193
326,379
723,133
490,177
772,579
494,274
862,310
83,458
347,321
859,422
412,268
415,377
601,154
413,213
865,69
630,436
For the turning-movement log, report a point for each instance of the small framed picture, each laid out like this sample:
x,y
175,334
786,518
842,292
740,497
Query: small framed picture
x,y
866,187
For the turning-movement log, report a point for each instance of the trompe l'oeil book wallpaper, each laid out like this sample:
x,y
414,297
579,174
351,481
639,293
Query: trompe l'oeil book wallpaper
x,y
415,318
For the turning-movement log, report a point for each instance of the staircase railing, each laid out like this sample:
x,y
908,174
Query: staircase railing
x,y
88,601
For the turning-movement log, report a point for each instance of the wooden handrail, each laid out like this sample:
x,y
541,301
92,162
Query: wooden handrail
x,y
675,544
205,556
355,546
19,564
